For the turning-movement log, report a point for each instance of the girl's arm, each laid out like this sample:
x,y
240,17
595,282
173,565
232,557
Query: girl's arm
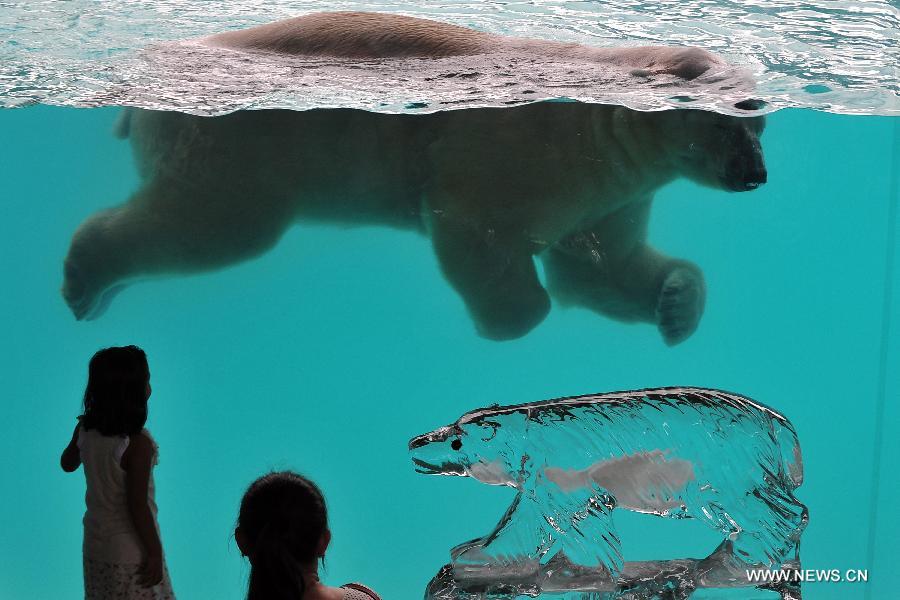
x,y
137,462
71,456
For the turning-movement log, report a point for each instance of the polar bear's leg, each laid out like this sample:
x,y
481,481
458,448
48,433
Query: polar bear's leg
x,y
610,269
166,227
495,275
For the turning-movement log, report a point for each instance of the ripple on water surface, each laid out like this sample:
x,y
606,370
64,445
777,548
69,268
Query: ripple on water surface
x,y
834,56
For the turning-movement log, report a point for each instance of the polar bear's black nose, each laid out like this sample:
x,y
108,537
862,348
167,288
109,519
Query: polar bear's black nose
x,y
755,177
745,173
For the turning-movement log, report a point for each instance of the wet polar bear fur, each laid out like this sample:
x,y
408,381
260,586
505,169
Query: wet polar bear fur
x,y
492,187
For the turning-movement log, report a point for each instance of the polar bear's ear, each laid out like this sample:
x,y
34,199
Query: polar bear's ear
x,y
751,104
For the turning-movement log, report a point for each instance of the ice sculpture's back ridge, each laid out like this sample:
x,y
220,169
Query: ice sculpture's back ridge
x,y
672,396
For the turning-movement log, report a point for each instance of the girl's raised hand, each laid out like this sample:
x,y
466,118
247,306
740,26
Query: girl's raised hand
x,y
71,456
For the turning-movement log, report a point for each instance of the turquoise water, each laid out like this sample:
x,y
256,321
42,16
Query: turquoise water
x,y
328,353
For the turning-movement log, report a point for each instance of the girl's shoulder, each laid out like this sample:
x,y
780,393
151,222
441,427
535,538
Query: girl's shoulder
x,y
93,439
85,432
358,591
85,435
146,433
94,446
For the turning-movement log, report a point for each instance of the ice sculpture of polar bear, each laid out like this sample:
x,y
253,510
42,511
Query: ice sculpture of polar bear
x,y
673,452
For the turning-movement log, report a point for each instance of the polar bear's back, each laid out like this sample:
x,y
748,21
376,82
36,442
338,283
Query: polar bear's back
x,y
370,35
358,35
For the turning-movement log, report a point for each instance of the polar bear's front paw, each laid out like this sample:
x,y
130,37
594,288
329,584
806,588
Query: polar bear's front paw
x,y
680,304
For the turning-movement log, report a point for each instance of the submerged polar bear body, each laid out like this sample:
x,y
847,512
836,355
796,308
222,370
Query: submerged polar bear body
x,y
492,187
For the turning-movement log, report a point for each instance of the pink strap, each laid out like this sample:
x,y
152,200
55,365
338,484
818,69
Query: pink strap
x,y
361,588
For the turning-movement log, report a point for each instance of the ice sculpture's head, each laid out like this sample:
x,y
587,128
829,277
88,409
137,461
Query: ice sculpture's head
x,y
117,391
469,448
283,529
715,150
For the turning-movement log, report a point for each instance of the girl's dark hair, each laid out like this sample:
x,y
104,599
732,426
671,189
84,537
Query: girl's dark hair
x,y
282,517
115,399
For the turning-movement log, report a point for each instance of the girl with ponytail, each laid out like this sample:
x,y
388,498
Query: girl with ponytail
x,y
283,529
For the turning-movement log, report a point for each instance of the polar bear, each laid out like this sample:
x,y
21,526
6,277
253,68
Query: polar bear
x,y
492,187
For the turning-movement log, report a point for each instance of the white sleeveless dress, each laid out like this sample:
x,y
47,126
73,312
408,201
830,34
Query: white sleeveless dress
x,y
112,549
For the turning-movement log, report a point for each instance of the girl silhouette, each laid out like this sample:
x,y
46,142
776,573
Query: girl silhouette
x,y
123,557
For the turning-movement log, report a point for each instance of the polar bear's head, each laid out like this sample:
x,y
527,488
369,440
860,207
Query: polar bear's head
x,y
716,150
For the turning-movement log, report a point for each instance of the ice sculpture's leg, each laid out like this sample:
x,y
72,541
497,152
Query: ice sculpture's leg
x,y
494,274
582,522
540,524
544,521
763,530
611,270
521,536
153,233
773,522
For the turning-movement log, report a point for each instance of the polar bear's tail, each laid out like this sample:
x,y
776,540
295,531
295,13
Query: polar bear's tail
x,y
122,126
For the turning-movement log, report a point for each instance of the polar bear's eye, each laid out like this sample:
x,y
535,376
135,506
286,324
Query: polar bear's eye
x,y
456,444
